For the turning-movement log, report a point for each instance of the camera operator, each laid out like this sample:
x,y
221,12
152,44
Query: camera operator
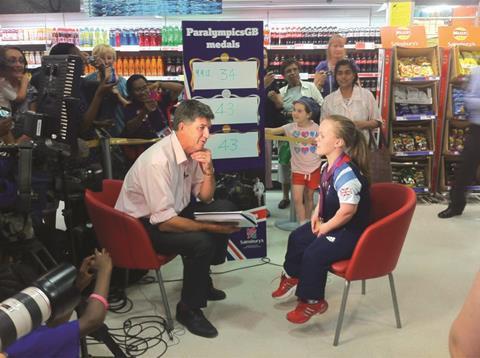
x,y
61,338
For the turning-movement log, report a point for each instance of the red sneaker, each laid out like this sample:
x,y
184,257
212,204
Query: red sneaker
x,y
286,288
304,311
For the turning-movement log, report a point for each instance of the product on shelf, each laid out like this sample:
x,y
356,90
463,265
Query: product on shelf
x,y
458,102
468,60
319,35
412,175
405,109
414,67
366,61
412,95
370,84
456,139
409,141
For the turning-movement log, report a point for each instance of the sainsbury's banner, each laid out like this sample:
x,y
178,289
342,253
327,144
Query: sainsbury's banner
x,y
411,36
223,69
449,36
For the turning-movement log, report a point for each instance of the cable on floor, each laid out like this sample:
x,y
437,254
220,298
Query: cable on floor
x,y
139,334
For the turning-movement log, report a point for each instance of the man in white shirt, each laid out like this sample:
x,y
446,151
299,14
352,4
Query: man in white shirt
x,y
159,188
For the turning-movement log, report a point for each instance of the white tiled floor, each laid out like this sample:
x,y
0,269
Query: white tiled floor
x,y
436,268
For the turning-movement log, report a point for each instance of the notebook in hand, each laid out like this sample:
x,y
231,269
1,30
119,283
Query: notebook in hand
x,y
240,218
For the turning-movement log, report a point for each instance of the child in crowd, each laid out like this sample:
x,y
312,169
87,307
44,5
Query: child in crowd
x,y
113,103
305,161
337,222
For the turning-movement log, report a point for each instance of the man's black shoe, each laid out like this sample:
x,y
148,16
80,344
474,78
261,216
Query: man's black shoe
x,y
449,212
216,294
194,320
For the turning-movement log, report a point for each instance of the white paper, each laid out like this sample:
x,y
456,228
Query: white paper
x,y
220,75
233,145
233,110
239,218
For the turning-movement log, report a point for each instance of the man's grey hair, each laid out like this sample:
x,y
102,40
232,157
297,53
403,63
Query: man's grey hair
x,y
190,110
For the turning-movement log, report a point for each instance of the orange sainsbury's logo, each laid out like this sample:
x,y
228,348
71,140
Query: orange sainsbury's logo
x,y
403,33
460,33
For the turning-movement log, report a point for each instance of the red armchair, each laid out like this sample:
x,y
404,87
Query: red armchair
x,y
379,247
124,237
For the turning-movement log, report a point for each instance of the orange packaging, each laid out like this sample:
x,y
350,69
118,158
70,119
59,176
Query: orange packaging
x,y
120,67
458,36
137,65
160,67
131,66
142,66
154,66
411,36
148,67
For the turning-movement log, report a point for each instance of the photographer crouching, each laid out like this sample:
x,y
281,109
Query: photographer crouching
x,y
59,337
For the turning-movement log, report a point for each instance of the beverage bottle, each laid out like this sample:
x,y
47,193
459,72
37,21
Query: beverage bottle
x,y
141,37
153,68
178,66
142,66
148,66
111,37
168,70
178,36
118,38
369,64
375,62
158,35
137,65
166,36
160,67
266,36
131,66
119,66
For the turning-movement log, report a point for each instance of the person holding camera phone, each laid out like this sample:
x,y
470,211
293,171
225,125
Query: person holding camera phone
x,y
113,100
61,338
324,76
147,115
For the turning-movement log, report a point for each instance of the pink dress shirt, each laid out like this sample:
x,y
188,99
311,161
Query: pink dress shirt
x,y
160,183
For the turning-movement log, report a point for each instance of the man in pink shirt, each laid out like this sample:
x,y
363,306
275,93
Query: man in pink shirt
x,y
159,188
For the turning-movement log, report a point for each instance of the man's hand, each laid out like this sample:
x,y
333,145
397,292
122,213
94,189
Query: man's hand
x,y
223,228
268,79
5,126
320,78
204,157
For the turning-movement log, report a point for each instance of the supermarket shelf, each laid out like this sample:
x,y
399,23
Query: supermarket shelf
x,y
311,76
33,65
469,187
452,155
413,154
24,43
418,79
162,78
135,48
357,46
420,189
416,117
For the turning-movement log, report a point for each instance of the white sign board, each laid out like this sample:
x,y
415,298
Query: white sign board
x,y
233,110
233,145
219,75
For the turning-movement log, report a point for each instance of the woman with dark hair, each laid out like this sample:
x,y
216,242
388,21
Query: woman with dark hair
x,y
147,116
14,71
324,78
351,100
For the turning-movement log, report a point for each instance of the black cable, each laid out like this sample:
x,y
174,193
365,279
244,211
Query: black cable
x,y
118,301
140,334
